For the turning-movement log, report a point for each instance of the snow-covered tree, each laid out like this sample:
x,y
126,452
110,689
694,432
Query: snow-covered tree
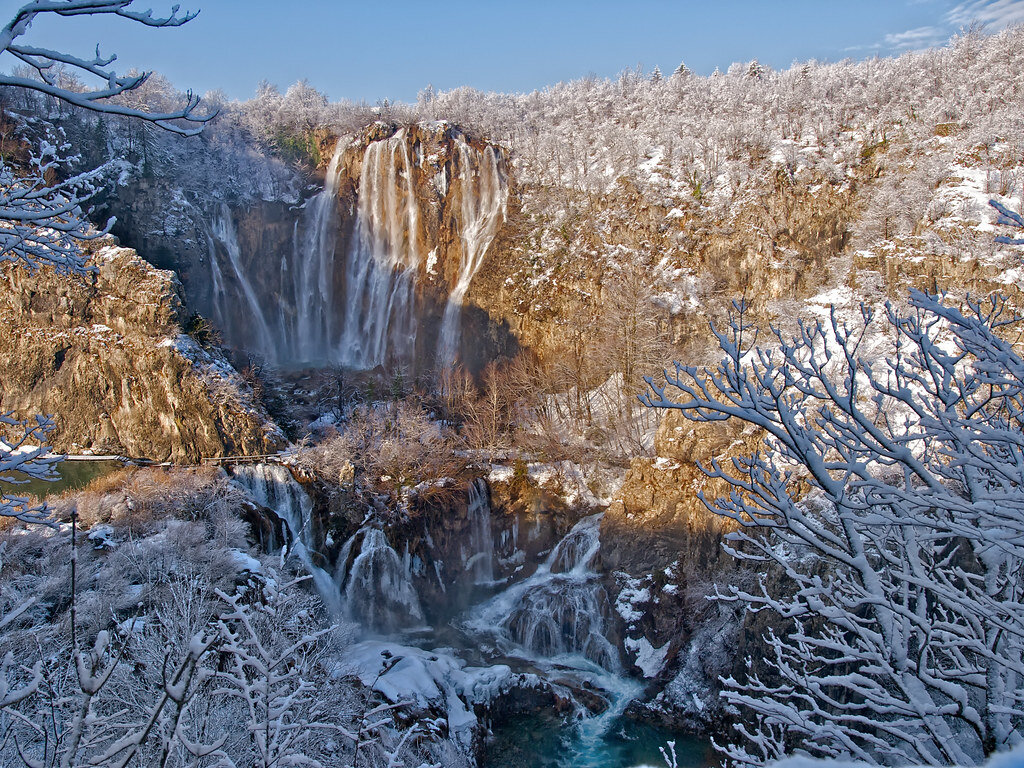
x,y
886,505
41,216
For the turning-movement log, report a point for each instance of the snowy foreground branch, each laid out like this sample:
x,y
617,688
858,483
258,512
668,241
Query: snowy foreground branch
x,y
24,455
254,686
889,497
42,221
48,65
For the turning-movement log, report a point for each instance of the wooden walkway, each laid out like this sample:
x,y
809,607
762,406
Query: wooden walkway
x,y
270,458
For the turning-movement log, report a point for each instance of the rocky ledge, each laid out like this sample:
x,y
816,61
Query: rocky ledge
x,y
105,354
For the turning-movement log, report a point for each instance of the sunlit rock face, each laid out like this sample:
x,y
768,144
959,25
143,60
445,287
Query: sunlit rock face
x,y
376,268
105,354
657,516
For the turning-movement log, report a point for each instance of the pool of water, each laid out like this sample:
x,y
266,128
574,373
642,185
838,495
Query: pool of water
x,y
547,740
72,476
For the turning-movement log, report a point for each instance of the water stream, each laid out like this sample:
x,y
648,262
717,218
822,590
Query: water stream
x,y
484,201
273,486
223,230
380,317
552,627
315,331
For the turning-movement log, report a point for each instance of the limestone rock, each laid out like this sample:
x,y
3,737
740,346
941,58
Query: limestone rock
x,y
105,355
657,516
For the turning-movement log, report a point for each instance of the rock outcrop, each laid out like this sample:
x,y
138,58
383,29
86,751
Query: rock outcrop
x,y
657,517
105,354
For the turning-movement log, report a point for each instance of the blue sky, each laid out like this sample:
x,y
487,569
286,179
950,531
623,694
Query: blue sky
x,y
366,51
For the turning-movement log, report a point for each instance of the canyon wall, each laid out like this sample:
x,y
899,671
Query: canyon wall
x,y
104,352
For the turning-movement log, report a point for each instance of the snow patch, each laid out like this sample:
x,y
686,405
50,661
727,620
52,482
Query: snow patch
x,y
649,659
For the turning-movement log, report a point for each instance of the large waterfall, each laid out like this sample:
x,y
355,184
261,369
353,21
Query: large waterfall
x,y
380,316
350,293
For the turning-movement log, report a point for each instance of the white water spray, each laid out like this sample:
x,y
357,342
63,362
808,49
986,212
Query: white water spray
x,y
272,486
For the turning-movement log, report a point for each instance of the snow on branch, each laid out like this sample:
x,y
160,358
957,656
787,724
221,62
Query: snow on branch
x,y
889,495
46,63
24,456
1008,219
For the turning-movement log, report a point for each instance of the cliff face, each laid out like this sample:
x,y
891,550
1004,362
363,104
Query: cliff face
x,y
427,202
105,354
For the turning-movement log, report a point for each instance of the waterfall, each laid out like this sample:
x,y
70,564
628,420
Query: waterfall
x,y
316,321
358,307
272,486
380,318
377,590
558,611
484,202
223,229
217,290
480,563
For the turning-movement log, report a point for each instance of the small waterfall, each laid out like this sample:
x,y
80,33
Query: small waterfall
x,y
376,587
223,229
380,317
480,563
316,320
272,486
217,289
560,610
484,202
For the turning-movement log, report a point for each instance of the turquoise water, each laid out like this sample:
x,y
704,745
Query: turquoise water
x,y
73,476
546,740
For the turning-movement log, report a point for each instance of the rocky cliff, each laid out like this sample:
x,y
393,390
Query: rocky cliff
x,y
104,353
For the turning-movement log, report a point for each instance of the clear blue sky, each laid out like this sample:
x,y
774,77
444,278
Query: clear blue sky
x,y
369,51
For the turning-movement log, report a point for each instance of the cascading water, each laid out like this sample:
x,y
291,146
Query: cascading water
x,y
557,618
480,559
376,588
223,230
358,306
560,610
272,486
554,621
484,203
380,317
316,325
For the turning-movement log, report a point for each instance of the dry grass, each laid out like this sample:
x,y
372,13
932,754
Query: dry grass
x,y
137,498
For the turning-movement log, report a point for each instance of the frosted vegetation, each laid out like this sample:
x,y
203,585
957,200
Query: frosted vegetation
x,y
883,513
